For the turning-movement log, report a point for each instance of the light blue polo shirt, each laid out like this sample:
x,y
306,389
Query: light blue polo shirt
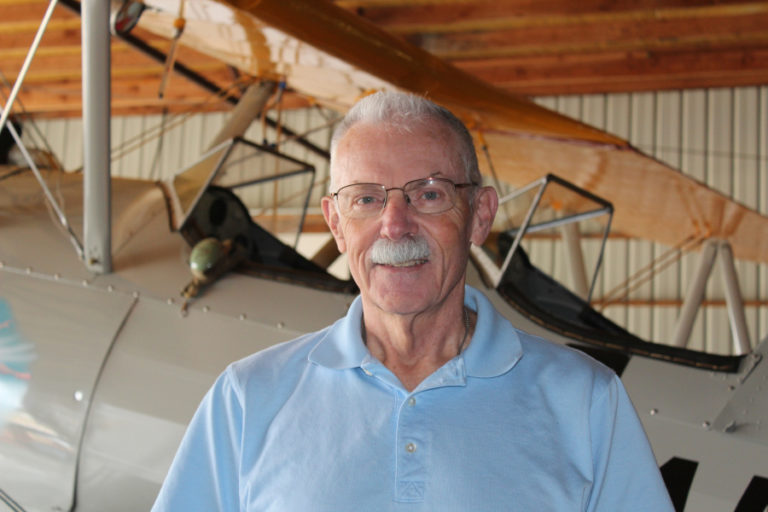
x,y
513,423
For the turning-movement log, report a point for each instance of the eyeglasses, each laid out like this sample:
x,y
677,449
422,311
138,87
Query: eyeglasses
x,y
426,195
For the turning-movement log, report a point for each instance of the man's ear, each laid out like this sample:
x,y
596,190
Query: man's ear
x,y
485,205
331,216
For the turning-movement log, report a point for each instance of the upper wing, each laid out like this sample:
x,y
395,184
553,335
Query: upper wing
x,y
334,57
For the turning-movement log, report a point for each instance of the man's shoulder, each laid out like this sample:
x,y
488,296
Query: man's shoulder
x,y
547,354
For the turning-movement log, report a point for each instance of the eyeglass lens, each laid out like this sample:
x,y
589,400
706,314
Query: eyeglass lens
x,y
431,195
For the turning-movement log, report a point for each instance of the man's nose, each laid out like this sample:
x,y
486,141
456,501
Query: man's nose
x,y
397,219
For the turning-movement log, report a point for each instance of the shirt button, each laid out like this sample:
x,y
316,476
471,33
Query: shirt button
x,y
410,447
367,372
411,401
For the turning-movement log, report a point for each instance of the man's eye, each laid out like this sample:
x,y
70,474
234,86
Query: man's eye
x,y
365,201
430,195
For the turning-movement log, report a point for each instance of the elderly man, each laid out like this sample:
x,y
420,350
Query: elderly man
x,y
423,397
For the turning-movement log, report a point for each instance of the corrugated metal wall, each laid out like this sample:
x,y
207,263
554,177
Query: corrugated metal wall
x,y
155,146
720,137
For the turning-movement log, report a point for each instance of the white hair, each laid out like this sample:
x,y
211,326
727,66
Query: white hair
x,y
405,110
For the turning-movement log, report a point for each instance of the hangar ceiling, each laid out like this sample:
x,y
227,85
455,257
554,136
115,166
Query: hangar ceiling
x,y
530,47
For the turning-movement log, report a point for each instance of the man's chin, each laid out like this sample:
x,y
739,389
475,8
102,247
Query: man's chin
x,y
400,291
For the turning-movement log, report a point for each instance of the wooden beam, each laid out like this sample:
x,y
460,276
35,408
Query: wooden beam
x,y
530,47
31,10
134,97
405,15
592,37
623,72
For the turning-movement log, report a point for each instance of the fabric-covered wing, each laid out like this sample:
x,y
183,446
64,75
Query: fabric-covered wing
x,y
334,57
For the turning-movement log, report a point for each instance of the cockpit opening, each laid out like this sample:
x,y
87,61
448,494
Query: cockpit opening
x,y
254,199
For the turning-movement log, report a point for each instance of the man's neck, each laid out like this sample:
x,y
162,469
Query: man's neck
x,y
414,346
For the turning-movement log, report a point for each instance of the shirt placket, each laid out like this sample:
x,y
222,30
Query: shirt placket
x,y
413,438
412,446
413,443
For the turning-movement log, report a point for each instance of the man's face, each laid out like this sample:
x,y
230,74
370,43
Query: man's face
x,y
380,154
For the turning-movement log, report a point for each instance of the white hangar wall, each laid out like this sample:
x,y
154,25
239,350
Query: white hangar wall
x,y
718,136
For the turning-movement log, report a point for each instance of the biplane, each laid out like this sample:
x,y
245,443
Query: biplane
x,y
108,341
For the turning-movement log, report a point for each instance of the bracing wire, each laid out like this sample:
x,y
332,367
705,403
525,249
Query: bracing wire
x,y
134,143
621,292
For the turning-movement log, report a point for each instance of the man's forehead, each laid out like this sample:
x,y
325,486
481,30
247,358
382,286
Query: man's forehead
x,y
361,138
393,154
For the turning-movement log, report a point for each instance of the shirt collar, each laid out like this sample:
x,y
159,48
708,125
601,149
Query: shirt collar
x,y
495,347
342,345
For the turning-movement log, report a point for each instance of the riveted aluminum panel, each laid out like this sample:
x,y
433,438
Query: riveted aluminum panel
x,y
158,371
687,414
650,395
746,414
44,399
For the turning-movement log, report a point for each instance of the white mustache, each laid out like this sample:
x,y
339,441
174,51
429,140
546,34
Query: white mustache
x,y
407,250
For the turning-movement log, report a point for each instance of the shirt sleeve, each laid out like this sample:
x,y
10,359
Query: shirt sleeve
x,y
627,477
204,474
